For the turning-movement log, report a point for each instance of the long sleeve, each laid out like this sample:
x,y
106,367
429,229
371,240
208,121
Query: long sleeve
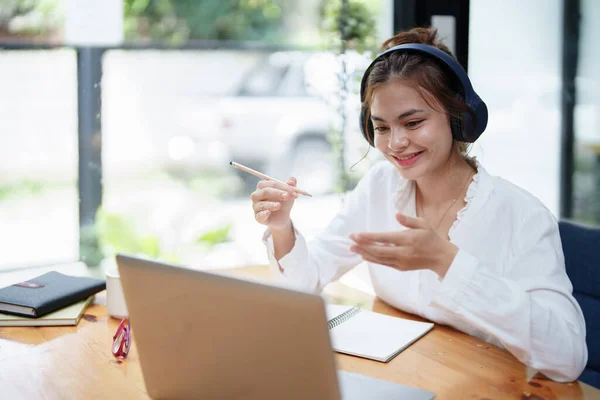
x,y
311,266
528,307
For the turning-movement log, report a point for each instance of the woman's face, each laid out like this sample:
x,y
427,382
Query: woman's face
x,y
413,136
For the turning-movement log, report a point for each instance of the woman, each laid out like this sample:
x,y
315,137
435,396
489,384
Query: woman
x,y
442,238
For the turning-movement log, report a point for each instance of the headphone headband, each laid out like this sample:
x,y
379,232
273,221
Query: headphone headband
x,y
471,130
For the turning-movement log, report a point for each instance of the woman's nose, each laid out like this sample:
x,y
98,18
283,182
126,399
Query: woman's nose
x,y
398,140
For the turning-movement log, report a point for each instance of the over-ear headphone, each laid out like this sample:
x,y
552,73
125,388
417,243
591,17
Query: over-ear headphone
x,y
470,130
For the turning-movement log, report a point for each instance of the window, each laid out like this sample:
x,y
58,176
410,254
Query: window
x,y
264,80
517,72
182,95
38,157
586,175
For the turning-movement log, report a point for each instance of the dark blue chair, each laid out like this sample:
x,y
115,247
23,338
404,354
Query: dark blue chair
x,y
581,246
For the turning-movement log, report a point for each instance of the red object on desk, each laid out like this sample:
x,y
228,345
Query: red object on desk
x,y
122,339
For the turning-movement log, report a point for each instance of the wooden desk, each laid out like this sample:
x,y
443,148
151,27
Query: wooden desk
x,y
76,362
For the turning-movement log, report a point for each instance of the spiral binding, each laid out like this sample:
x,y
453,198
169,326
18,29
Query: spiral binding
x,y
343,317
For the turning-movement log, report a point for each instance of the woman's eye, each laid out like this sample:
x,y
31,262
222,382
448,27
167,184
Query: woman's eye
x,y
381,129
412,124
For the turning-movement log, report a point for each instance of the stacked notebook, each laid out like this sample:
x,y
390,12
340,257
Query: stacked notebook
x,y
49,299
366,334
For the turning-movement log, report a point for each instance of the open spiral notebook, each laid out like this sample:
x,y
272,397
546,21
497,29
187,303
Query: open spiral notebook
x,y
367,334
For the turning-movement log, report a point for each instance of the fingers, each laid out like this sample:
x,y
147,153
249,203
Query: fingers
x,y
270,193
269,196
380,252
266,205
271,190
383,255
263,216
411,222
382,238
288,186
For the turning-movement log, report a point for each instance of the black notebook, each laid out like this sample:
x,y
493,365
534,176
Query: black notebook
x,y
47,293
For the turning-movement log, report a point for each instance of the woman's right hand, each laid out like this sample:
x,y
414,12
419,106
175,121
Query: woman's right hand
x,y
272,203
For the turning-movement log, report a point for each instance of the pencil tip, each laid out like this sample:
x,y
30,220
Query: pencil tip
x,y
231,163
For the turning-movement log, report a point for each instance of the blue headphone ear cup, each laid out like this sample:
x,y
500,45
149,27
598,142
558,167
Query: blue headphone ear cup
x,y
481,113
474,129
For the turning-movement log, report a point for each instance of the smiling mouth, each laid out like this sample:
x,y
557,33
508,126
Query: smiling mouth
x,y
408,156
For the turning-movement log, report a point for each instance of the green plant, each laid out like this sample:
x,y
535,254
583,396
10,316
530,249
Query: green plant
x,y
231,19
117,234
31,17
89,249
216,236
114,233
179,20
21,188
351,24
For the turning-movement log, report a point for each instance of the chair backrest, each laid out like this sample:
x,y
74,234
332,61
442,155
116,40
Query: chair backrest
x,y
581,247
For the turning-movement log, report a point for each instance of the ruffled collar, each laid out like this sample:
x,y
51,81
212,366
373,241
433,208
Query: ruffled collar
x,y
404,197
469,196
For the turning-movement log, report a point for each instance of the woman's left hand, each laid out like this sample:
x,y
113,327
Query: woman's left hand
x,y
418,247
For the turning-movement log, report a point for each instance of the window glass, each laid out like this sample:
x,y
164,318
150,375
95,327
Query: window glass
x,y
38,157
586,178
189,89
517,72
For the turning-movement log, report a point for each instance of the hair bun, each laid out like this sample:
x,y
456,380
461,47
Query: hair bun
x,y
420,35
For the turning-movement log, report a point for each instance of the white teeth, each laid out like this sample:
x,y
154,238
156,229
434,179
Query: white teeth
x,y
408,157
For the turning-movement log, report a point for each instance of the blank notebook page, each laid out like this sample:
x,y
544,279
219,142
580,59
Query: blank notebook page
x,y
372,335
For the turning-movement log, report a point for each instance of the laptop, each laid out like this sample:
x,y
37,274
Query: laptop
x,y
204,335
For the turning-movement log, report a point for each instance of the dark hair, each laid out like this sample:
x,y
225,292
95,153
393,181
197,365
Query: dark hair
x,y
424,74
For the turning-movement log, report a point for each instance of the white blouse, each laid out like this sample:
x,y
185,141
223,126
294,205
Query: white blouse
x,y
507,285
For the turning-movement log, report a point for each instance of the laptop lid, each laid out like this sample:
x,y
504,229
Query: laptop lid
x,y
201,335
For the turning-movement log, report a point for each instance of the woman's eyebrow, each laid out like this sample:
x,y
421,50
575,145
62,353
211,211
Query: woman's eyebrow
x,y
405,114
